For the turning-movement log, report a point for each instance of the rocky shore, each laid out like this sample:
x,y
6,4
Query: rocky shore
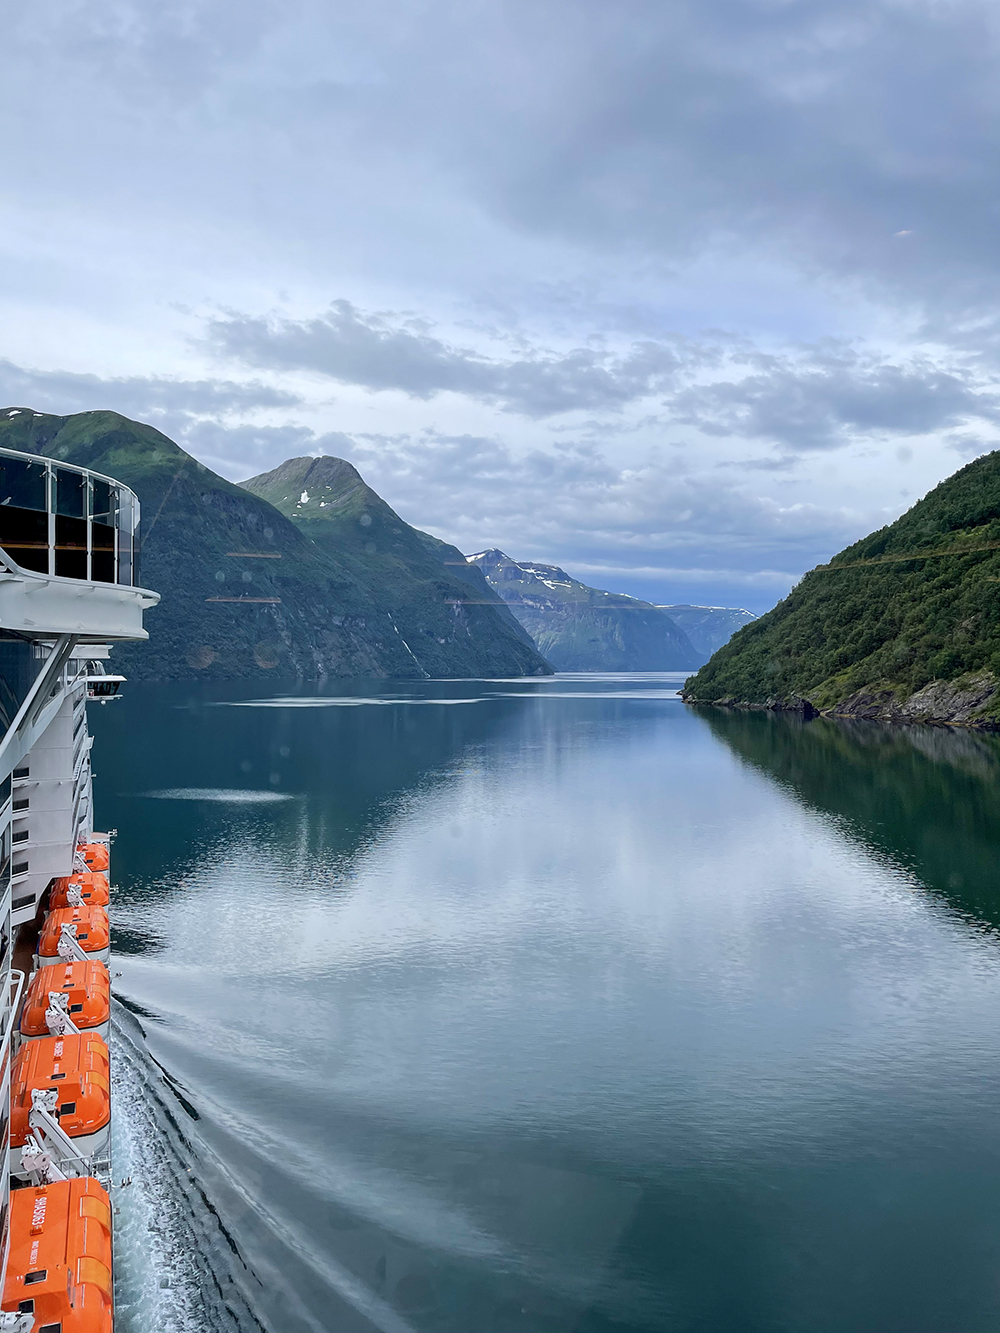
x,y
965,702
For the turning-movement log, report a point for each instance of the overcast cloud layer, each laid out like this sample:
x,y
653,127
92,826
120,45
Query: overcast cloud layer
x,y
682,297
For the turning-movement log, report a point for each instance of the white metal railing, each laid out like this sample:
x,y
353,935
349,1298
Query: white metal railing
x,y
17,980
65,521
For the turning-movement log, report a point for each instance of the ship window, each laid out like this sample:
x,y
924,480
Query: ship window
x,y
18,903
76,1008
84,935
24,535
22,772
50,1328
39,1275
128,544
71,547
18,868
26,1307
22,484
102,567
68,1109
71,493
22,836
102,503
5,790
55,1076
102,540
22,804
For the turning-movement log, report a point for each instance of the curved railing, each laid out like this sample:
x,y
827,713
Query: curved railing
x,y
66,521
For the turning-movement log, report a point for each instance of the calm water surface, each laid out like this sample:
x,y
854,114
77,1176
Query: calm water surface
x,y
550,1006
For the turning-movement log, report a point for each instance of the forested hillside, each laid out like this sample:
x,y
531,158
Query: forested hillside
x,y
905,622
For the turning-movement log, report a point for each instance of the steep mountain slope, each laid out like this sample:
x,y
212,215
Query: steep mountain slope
x,y
442,622
903,624
708,627
243,591
579,628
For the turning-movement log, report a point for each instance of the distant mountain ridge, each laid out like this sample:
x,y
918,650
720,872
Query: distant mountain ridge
x,y
246,591
579,628
708,627
903,625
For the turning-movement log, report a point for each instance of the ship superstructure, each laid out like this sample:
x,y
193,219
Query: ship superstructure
x,y
68,592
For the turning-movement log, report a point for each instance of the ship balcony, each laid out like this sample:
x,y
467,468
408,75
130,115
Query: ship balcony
x,y
68,552
101,685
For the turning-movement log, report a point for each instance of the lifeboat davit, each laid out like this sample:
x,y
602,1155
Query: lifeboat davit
x,y
59,1267
91,930
78,1069
87,988
95,854
87,886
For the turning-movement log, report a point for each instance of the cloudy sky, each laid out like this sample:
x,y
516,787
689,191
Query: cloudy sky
x,y
683,295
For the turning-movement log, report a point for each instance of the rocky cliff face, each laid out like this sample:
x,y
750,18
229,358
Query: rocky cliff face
x,y
578,628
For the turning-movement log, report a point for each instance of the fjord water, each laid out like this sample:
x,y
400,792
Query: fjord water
x,y
550,1005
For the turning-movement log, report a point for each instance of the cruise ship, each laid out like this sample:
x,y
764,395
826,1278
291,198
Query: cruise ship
x,y
69,590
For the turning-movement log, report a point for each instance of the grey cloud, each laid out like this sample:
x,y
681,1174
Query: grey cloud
x,y
63,392
818,398
850,138
826,400
659,528
385,351
575,505
241,451
855,139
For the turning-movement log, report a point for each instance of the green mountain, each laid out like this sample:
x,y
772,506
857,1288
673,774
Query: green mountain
x,y
448,629
579,628
708,627
244,591
904,624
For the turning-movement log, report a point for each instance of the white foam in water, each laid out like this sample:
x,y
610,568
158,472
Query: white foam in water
x,y
341,701
177,1268
232,796
167,1279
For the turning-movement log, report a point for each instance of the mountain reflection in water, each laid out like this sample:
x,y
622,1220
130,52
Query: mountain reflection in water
x,y
567,1009
929,797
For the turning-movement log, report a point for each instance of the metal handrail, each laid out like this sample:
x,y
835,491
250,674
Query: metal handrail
x,y
71,467
5,1038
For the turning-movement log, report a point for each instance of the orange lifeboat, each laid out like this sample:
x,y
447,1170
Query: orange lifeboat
x,y
91,888
59,1269
95,854
92,933
87,988
78,1069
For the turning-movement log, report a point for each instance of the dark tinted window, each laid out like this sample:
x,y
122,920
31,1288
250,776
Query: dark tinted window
x,y
24,535
103,503
22,484
71,493
71,547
